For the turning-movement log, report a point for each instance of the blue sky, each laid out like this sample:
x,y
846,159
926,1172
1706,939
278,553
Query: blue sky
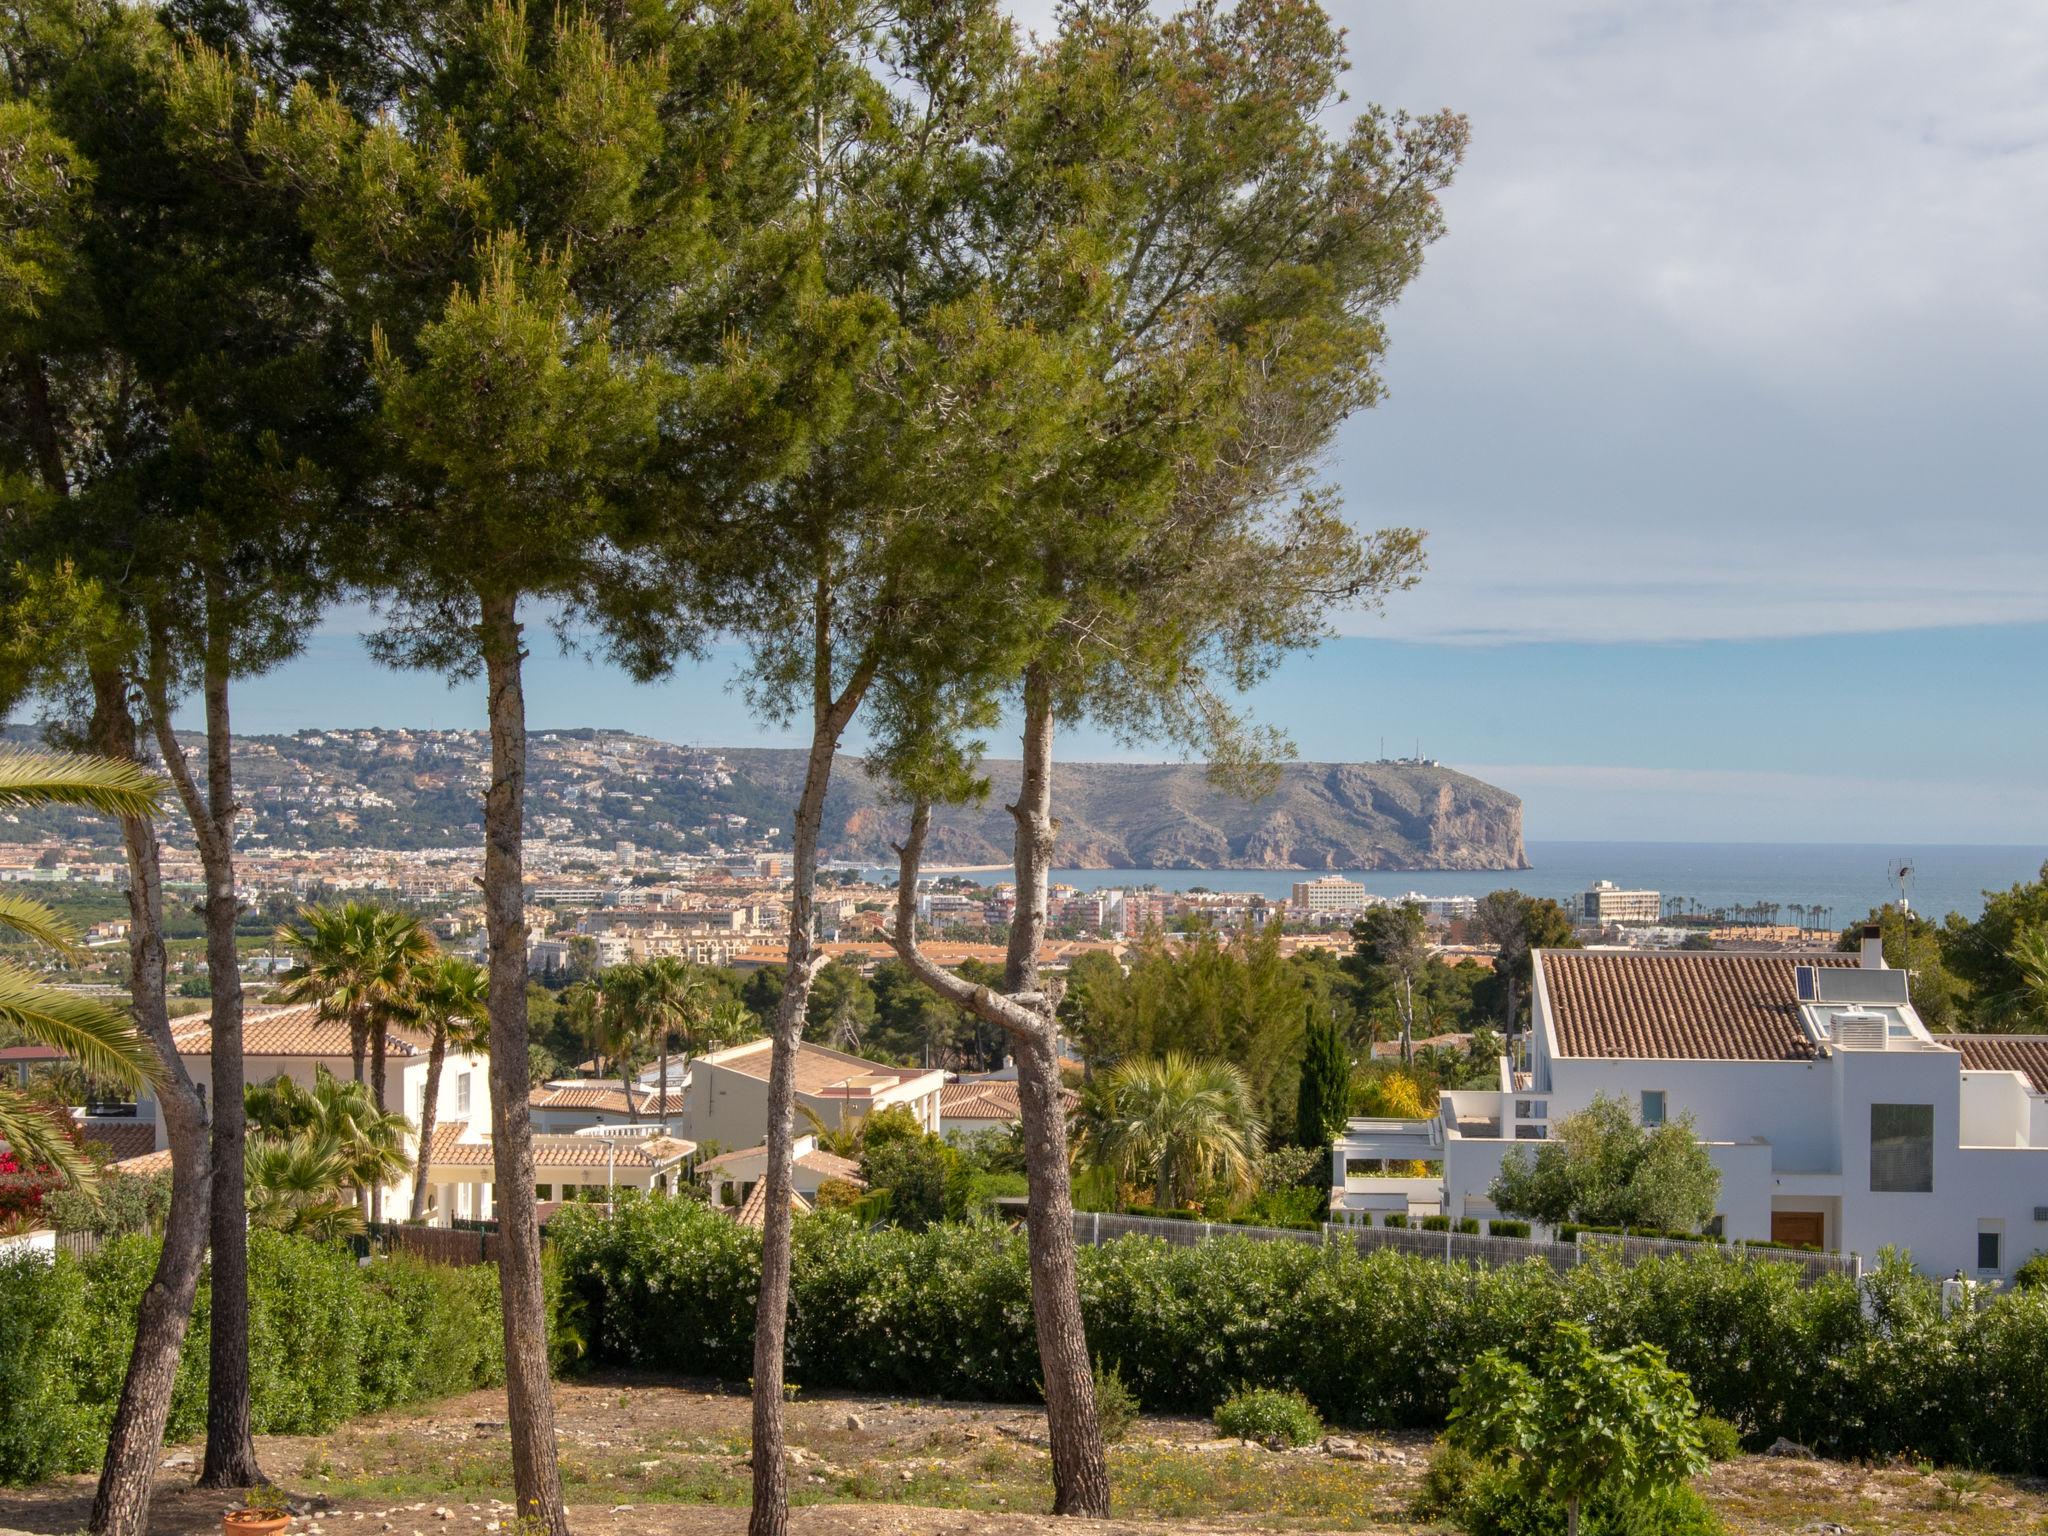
x,y
1721,401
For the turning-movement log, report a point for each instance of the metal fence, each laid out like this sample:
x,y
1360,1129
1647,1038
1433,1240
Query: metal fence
x,y
1093,1227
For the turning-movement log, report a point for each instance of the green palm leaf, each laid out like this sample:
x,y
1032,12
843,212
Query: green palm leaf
x,y
100,1038
103,784
32,920
37,1140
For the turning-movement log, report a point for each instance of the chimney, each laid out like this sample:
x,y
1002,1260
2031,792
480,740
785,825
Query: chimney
x,y
1873,947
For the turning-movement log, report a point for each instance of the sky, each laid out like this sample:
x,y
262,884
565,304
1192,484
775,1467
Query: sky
x,y
1722,402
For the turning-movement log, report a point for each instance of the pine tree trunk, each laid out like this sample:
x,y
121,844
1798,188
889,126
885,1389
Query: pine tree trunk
x,y
437,1054
1080,1469
769,1515
135,1439
378,1043
230,1448
530,1409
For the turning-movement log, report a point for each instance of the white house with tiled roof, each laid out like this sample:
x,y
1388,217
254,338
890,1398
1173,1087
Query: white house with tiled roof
x,y
986,1104
731,1177
727,1095
1836,1118
461,1177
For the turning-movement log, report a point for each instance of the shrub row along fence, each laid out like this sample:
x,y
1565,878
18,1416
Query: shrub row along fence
x,y
1097,1227
1375,1336
329,1338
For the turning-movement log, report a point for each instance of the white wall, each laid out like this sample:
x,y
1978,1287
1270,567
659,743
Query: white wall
x,y
1790,1104
1995,1109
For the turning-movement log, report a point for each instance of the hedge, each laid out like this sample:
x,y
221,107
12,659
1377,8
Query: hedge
x,y
327,1340
1375,1339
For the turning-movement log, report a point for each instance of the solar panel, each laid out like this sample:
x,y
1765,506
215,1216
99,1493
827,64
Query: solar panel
x,y
1803,976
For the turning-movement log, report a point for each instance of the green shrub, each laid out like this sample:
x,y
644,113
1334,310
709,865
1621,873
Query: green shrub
x,y
1447,1484
1396,1220
2032,1274
1500,1504
327,1339
1269,1416
1116,1406
1469,1225
1436,1223
1498,1226
1722,1440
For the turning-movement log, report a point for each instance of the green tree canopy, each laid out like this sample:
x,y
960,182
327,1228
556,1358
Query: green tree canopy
x,y
1601,1166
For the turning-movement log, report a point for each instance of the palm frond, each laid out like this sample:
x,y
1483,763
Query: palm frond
x,y
103,784
37,1140
100,1038
33,920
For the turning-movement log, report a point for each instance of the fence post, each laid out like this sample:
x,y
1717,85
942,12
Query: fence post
x,y
1095,1232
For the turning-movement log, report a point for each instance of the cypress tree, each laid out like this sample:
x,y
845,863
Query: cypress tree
x,y
1323,1099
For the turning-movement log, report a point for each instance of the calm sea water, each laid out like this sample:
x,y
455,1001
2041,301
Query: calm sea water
x,y
1847,879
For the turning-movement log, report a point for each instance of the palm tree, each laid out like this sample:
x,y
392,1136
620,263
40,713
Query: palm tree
x,y
296,1184
102,1041
343,971
2025,1006
1181,1122
369,1141
671,1000
452,998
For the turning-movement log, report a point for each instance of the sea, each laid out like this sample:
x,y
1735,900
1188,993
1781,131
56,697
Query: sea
x,y
1845,880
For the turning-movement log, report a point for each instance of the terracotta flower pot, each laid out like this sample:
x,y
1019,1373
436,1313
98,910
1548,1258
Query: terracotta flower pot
x,y
253,1522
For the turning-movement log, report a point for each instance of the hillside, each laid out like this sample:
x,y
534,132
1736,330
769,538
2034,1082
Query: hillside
x,y
1167,816
421,789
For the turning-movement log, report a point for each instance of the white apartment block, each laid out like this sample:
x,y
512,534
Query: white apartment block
x,y
1606,902
1330,893
1836,1118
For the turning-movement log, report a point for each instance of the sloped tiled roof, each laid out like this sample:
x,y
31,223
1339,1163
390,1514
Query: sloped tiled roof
x,y
148,1165
296,1031
989,1101
455,1148
1704,1005
607,1099
132,1139
828,1164
2024,1054
753,1211
819,1069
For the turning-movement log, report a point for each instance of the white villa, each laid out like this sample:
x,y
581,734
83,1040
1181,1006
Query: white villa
x,y
726,1098
1835,1116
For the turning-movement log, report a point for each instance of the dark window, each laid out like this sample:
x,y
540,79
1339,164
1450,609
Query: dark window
x,y
1901,1149
544,1191
1987,1250
1653,1107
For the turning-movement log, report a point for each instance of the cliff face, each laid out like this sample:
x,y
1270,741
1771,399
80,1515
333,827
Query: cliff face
x,y
1166,816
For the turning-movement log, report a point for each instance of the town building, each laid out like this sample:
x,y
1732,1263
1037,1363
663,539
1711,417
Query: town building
x,y
1330,893
1606,902
727,1097
1836,1118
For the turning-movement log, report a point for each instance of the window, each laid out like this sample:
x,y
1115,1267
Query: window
x,y
1532,1109
1532,1133
1653,1107
462,1093
543,1191
1987,1251
1901,1149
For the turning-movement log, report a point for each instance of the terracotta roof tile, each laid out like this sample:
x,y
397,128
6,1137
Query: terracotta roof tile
x,y
297,1031
753,1211
829,1164
147,1166
2024,1054
122,1141
455,1148
990,1101
820,1070
1704,1005
610,1099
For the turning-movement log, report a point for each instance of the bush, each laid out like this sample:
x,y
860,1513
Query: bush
x,y
327,1339
1397,1220
2032,1274
1723,1441
1469,1225
1498,1504
1116,1408
1500,1227
1269,1416
1436,1223
1447,1484
1372,1339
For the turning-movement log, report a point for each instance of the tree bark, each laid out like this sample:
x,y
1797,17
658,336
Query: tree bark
x,y
1080,1466
230,1446
830,715
530,1408
135,1440
377,1048
437,1054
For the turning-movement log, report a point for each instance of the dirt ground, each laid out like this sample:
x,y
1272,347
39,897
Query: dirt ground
x,y
644,1457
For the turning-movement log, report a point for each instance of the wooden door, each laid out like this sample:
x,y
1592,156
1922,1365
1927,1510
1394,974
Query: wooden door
x,y
1801,1229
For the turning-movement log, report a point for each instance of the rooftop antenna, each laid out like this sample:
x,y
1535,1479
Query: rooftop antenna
x,y
1900,871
